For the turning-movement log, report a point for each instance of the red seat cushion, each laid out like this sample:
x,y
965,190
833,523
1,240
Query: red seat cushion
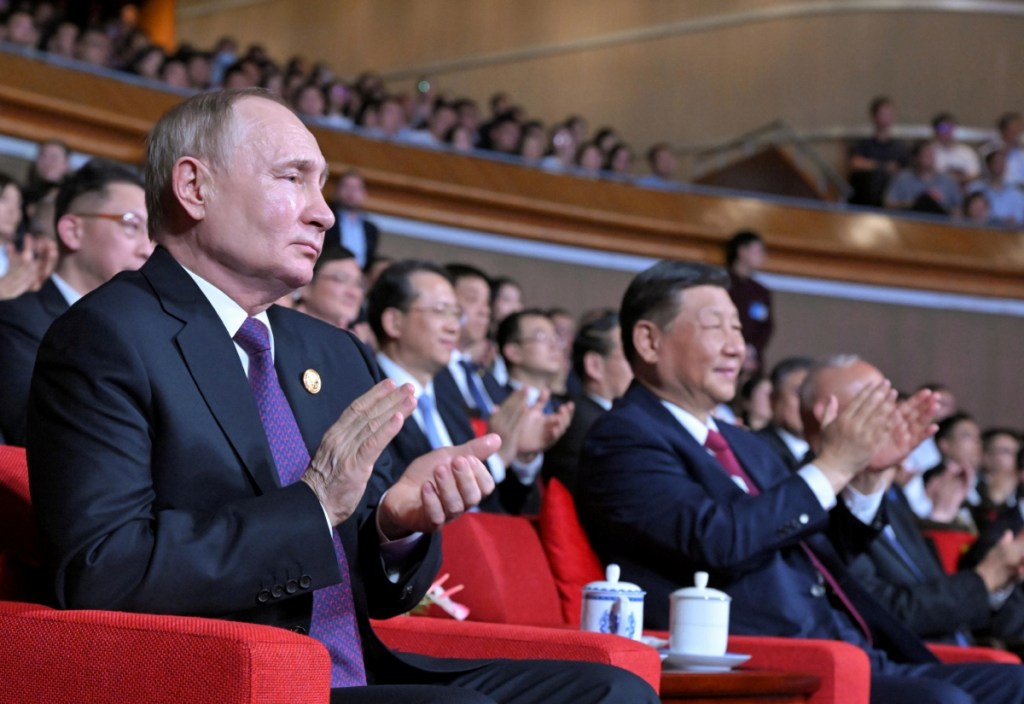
x,y
572,560
500,562
951,546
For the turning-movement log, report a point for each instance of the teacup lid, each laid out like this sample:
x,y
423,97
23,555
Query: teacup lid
x,y
611,582
701,590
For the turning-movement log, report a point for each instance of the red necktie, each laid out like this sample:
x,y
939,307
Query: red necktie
x,y
334,621
724,454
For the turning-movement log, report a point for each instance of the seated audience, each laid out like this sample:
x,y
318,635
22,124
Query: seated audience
x,y
534,354
352,228
1010,126
101,225
953,158
922,188
663,165
1005,200
335,294
998,477
952,485
666,491
752,407
599,363
785,433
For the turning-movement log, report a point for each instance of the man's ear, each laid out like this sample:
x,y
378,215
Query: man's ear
x,y
191,184
647,341
593,366
392,321
69,231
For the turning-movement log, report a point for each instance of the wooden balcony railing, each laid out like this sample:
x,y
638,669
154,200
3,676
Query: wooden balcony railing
x,y
109,117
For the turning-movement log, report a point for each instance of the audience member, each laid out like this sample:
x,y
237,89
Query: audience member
x,y
93,47
752,406
744,257
1005,200
663,165
351,228
976,210
998,476
874,160
601,366
534,355
785,433
952,484
953,158
154,496
101,222
1010,126
903,573
922,187
666,491
335,293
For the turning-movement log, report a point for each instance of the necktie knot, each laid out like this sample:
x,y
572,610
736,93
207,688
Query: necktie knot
x,y
469,366
253,336
715,442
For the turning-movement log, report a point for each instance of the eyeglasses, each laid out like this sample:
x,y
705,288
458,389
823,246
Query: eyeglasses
x,y
542,338
443,310
132,223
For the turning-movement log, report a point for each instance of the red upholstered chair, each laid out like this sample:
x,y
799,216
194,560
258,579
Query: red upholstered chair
x,y
91,656
951,546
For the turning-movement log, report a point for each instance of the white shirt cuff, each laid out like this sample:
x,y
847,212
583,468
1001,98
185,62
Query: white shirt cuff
x,y
527,472
820,485
863,506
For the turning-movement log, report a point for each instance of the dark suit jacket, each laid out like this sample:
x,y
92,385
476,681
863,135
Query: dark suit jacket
x,y
152,478
656,502
934,604
23,322
370,231
772,438
563,458
509,496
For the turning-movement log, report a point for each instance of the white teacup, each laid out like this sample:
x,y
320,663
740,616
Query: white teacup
x,y
699,619
612,606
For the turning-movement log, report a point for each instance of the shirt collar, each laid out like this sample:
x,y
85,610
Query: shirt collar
x,y
70,295
797,446
230,313
693,425
399,375
600,401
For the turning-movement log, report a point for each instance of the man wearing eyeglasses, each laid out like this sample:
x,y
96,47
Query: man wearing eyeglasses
x,y
415,315
100,217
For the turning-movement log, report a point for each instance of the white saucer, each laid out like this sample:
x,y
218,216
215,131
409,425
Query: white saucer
x,y
702,663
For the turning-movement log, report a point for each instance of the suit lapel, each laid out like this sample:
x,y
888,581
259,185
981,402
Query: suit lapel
x,y
52,299
213,362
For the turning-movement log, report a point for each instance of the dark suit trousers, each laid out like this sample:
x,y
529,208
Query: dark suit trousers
x,y
968,683
514,682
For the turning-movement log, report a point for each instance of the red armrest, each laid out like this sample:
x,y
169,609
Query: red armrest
x,y
465,639
93,656
843,668
954,653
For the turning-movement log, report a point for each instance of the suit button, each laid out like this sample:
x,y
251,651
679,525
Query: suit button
x,y
292,586
305,581
804,519
263,597
407,592
277,592
300,630
817,591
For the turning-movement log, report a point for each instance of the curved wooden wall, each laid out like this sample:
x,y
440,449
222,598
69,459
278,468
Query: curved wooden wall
x,y
105,116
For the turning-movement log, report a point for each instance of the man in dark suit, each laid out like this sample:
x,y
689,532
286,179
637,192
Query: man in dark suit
x,y
416,320
186,453
901,570
100,220
598,360
666,491
785,434
351,228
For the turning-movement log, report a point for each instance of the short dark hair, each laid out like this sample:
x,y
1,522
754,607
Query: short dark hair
x,y
332,253
653,294
878,103
508,330
946,425
458,271
743,238
1006,118
393,289
991,434
594,336
942,117
496,284
655,149
95,176
787,366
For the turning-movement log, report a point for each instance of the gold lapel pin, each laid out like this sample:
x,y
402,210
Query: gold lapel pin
x,y
311,380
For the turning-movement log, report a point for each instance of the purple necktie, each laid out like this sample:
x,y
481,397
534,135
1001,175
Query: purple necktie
x,y
334,621
725,456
